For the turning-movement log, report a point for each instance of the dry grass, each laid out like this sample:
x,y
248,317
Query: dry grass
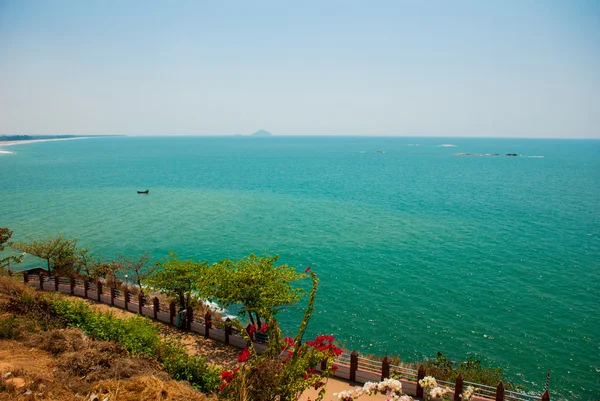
x,y
149,388
64,364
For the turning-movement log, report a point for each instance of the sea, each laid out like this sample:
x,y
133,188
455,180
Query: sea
x,y
418,250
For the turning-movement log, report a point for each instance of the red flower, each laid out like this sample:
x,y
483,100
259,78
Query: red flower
x,y
243,357
307,269
252,329
263,328
222,386
334,368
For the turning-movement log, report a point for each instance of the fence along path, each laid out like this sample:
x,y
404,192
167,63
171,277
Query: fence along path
x,y
351,367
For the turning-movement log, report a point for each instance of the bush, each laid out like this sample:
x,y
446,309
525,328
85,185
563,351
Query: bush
x,y
9,328
138,334
472,371
192,368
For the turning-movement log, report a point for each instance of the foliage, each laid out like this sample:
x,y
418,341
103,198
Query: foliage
x,y
285,369
192,368
138,335
5,235
186,280
59,252
471,370
257,285
8,328
137,265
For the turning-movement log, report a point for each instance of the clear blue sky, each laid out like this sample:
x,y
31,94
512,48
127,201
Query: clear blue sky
x,y
520,68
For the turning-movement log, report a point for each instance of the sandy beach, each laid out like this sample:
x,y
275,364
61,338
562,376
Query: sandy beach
x,y
26,141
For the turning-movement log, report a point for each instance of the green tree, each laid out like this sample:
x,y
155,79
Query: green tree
x,y
138,265
286,368
5,235
186,280
257,285
59,252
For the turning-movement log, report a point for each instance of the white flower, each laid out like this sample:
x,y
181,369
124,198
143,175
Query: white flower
x,y
428,382
438,392
468,393
346,395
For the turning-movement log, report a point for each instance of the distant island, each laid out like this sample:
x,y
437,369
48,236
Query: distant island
x,y
262,132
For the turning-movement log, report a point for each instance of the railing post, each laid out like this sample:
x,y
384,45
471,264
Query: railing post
x,y
546,396
156,306
190,318
99,290
250,331
112,296
141,303
171,312
385,368
500,392
207,324
126,297
85,288
56,282
72,284
227,330
420,375
458,389
25,277
41,281
353,365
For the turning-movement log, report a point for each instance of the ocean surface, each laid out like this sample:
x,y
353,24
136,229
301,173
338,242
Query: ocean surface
x,y
417,250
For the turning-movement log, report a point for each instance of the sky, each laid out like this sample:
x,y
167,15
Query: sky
x,y
522,68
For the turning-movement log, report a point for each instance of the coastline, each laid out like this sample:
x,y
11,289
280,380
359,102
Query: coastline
x,y
26,141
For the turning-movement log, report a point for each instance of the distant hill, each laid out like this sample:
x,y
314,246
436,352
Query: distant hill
x,y
262,132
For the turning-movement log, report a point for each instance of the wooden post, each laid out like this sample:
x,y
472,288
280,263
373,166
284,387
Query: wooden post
x,y
250,332
25,277
85,288
56,282
112,296
72,284
500,392
99,290
458,389
353,365
190,318
207,324
546,396
227,330
126,297
420,375
41,281
141,303
156,306
385,368
171,312
323,365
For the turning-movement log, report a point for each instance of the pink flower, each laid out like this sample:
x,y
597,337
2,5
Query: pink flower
x,y
307,269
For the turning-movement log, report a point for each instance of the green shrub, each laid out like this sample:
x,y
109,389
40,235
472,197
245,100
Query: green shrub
x,y
181,366
9,328
472,371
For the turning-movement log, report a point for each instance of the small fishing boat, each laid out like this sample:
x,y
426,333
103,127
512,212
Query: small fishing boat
x,y
144,192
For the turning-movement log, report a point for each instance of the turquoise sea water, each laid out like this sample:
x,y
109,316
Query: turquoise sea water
x,y
418,250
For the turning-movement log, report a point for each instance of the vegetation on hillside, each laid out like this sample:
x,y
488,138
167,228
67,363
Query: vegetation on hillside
x,y
137,335
255,284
